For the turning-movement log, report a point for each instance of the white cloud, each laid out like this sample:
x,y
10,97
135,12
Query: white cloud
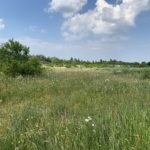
x,y
89,50
33,28
37,29
67,7
104,19
2,25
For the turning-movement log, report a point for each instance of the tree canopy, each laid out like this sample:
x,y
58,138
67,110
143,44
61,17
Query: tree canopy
x,y
15,59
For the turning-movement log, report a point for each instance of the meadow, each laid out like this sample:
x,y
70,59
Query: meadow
x,y
76,109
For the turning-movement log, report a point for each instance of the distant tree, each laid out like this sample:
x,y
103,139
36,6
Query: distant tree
x,y
148,63
143,64
71,59
15,59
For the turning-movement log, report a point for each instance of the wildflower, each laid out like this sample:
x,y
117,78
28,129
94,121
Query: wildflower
x,y
88,119
1,100
93,124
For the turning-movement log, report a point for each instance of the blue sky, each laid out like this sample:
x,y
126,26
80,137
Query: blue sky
x,y
85,29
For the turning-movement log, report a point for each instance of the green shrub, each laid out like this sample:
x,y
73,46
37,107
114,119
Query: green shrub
x,y
12,68
145,74
32,67
15,60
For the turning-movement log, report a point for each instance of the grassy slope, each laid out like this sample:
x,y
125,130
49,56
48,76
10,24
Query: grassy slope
x,y
75,110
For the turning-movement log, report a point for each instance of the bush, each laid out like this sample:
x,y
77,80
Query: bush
x,y
145,74
15,60
32,67
12,69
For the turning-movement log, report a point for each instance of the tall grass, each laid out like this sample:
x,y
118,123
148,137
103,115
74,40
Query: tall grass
x,y
85,110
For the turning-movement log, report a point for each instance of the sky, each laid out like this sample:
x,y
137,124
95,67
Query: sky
x,y
84,29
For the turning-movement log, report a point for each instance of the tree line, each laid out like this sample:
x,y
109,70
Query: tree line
x,y
16,60
74,62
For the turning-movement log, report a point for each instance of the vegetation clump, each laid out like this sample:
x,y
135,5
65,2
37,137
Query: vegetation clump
x,y
145,74
15,60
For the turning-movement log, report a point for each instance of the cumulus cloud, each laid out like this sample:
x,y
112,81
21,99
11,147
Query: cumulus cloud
x,y
37,29
2,25
104,19
67,7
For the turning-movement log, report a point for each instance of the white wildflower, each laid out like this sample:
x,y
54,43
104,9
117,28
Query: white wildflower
x,y
93,124
88,119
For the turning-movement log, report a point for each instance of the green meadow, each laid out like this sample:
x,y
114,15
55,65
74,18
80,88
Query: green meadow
x,y
76,109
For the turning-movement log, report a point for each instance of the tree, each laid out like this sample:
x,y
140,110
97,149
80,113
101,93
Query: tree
x,y
15,59
13,50
148,63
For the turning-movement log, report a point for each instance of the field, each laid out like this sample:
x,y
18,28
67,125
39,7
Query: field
x,y
76,109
